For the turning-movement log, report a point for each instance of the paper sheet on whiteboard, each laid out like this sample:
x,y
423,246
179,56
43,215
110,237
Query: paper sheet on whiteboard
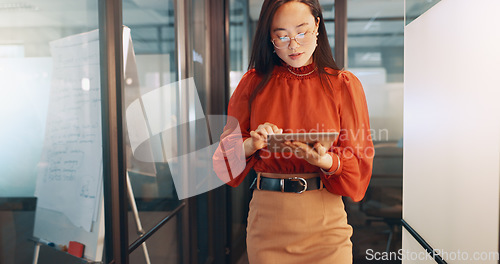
x,y
69,177
69,171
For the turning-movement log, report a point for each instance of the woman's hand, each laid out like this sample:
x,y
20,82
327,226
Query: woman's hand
x,y
258,138
316,155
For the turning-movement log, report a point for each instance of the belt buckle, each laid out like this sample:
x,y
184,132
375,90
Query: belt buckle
x,y
302,180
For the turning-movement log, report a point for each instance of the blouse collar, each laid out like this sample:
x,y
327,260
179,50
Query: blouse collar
x,y
303,72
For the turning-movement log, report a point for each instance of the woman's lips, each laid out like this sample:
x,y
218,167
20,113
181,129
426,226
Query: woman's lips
x,y
295,56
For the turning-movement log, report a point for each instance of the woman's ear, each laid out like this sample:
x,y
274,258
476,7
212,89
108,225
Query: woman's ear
x,y
317,23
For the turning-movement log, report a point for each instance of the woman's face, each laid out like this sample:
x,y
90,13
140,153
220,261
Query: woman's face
x,y
290,20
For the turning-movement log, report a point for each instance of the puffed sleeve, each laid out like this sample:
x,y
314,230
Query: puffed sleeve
x,y
229,160
354,146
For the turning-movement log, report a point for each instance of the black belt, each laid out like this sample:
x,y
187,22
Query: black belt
x,y
291,184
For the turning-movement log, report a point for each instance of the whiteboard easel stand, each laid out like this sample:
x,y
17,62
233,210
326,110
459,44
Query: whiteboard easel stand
x,y
37,251
140,230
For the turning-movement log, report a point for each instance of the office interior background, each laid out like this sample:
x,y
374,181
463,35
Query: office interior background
x,y
172,40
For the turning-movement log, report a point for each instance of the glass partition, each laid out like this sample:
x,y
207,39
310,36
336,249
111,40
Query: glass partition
x,y
26,73
239,40
198,49
329,19
241,15
151,107
415,8
375,55
50,146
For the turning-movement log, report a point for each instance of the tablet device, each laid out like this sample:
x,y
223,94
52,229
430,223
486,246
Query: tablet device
x,y
275,141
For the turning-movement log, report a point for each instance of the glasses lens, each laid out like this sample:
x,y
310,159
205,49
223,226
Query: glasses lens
x,y
281,43
305,39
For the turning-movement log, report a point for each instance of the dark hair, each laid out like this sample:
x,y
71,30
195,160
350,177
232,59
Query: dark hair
x,y
263,59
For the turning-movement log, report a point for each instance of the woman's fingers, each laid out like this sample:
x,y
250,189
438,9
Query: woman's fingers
x,y
258,141
268,129
263,130
300,149
274,128
320,149
305,151
301,146
257,136
316,155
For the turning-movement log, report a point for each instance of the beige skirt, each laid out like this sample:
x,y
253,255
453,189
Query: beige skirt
x,y
289,228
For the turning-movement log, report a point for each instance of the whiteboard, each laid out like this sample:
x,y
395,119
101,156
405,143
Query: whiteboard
x,y
70,203
69,178
452,128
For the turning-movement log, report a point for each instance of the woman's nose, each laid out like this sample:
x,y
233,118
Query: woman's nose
x,y
293,44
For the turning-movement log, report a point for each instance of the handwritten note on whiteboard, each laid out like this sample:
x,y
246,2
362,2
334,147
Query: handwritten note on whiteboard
x,y
69,172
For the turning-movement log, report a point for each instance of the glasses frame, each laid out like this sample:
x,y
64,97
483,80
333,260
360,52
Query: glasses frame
x,y
294,38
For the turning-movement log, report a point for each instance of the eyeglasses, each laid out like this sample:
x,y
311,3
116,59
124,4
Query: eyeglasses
x,y
305,38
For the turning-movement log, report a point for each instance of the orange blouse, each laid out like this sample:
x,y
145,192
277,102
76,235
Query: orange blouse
x,y
299,104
